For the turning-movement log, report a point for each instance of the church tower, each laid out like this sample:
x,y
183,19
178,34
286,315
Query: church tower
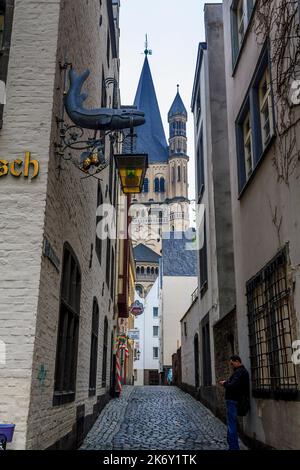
x,y
178,165
163,206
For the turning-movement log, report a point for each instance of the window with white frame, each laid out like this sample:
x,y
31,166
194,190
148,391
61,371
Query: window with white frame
x,y
248,146
241,20
255,123
155,331
265,103
155,353
155,312
241,12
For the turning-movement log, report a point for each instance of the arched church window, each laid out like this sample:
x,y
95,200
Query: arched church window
x,y
142,270
162,185
179,173
156,185
148,270
152,270
173,174
156,271
146,186
138,270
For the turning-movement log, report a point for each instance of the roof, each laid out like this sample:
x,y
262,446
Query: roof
x,y
151,137
178,259
177,107
142,253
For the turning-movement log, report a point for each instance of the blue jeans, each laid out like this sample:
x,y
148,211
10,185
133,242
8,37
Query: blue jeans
x,y
232,434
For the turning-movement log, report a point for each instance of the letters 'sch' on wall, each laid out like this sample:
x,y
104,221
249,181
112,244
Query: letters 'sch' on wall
x,y
28,168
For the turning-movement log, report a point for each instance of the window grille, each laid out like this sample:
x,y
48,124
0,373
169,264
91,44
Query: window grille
x,y
270,336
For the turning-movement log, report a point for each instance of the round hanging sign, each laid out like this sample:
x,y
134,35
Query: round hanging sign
x,y
137,308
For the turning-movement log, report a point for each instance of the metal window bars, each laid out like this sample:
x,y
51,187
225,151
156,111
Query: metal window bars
x,y
270,335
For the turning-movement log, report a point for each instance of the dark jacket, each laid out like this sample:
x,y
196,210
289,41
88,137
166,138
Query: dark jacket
x,y
238,386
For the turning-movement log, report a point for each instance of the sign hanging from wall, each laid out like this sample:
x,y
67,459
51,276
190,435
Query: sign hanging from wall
x,y
137,308
134,335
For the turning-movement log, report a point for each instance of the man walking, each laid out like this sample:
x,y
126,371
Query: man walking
x,y
237,396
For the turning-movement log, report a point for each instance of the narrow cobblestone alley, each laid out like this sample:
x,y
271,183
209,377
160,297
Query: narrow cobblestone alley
x,y
156,418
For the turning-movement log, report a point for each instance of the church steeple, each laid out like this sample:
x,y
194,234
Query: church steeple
x,y
178,158
151,136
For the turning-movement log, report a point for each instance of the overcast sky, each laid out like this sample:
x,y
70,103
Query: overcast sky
x,y
174,28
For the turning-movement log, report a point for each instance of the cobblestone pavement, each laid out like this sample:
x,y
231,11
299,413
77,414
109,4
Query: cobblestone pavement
x,y
156,418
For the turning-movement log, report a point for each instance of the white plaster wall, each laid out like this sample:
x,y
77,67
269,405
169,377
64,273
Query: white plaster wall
x,y
145,323
176,299
256,242
27,126
187,343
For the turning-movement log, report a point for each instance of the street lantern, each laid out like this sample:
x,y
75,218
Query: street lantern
x,y
132,170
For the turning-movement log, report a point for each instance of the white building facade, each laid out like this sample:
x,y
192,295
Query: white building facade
x,y
146,363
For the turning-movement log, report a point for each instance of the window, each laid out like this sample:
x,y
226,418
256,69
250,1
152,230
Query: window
x,y
241,20
184,174
206,357
162,185
265,103
108,264
6,21
241,11
155,312
248,146
155,353
98,243
104,357
68,330
146,186
94,349
203,263
156,185
112,274
200,168
108,50
173,175
2,19
185,328
255,123
155,331
179,174
270,335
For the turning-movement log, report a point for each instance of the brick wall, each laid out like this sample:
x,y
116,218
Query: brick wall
x,y
59,205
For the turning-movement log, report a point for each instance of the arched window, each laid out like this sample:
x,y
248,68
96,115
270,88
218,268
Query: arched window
x,y
173,174
94,349
142,270
140,290
146,186
104,357
138,270
68,328
156,270
162,185
152,271
156,185
179,173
